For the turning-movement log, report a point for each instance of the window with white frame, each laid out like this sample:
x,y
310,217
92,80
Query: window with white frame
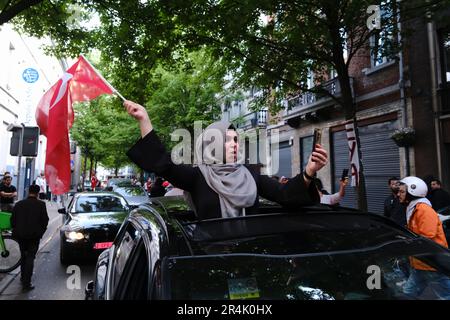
x,y
380,41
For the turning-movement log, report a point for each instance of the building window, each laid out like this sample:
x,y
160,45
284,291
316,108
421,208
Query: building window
x,y
444,44
305,151
444,83
381,41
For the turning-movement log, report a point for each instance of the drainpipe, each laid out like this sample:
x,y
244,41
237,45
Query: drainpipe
x,y
401,84
434,101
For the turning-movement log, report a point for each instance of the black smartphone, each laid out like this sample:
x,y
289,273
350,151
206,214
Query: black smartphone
x,y
317,138
344,174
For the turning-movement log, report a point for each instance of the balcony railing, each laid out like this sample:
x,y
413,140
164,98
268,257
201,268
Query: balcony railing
x,y
252,120
307,100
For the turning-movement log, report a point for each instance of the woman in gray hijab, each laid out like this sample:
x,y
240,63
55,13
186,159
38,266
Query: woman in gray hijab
x,y
219,186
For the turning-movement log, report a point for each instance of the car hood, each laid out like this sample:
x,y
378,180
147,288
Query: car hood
x,y
92,220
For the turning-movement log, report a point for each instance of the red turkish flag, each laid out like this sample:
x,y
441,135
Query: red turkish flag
x,y
54,116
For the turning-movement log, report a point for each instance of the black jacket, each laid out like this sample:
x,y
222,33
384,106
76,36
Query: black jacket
x,y
149,154
29,219
439,199
395,210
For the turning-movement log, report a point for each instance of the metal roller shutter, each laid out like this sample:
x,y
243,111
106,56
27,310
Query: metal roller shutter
x,y
285,161
381,160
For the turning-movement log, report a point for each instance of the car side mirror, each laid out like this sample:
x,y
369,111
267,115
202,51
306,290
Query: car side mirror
x,y
62,210
89,291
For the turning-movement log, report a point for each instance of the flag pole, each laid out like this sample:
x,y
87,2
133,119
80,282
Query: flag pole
x,y
100,75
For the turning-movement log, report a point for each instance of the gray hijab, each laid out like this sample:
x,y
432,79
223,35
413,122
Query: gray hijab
x,y
232,182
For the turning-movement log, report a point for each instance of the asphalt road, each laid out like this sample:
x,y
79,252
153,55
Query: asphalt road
x,y
52,280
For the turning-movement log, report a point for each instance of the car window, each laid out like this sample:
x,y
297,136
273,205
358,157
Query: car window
x,y
133,283
131,191
124,249
99,203
373,274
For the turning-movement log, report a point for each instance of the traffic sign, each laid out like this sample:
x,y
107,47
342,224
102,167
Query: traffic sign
x,y
30,75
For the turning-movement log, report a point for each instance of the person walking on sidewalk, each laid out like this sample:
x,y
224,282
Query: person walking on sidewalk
x,y
29,221
40,181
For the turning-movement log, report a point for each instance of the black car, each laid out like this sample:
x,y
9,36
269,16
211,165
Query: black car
x,y
312,253
90,224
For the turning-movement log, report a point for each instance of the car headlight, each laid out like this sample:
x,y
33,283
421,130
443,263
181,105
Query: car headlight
x,y
73,235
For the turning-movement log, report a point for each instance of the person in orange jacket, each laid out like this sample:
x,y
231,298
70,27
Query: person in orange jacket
x,y
424,221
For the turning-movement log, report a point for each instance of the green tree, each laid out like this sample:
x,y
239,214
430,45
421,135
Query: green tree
x,y
103,132
187,92
275,55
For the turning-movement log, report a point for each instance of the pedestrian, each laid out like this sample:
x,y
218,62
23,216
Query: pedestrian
x,y
7,194
424,221
148,185
29,221
438,197
42,183
220,186
94,181
158,189
393,209
335,198
6,174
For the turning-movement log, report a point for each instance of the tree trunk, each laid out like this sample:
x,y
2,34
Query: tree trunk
x,y
91,164
84,171
350,114
116,171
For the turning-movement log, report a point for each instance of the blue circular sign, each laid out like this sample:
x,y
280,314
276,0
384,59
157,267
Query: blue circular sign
x,y
30,75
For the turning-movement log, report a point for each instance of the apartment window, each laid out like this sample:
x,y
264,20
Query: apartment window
x,y
444,53
444,43
380,41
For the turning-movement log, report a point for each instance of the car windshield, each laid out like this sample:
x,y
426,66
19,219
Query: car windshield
x,y
131,191
99,203
363,274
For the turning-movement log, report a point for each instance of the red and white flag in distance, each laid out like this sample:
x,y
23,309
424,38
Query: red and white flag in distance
x,y
54,116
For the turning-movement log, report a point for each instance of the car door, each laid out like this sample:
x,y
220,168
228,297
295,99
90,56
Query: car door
x,y
123,256
134,283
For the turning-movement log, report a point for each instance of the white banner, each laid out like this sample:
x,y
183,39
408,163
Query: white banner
x,y
353,153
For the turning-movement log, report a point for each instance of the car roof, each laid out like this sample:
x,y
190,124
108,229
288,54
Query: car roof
x,y
308,224
97,193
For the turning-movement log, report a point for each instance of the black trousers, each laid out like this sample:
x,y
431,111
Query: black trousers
x,y
28,250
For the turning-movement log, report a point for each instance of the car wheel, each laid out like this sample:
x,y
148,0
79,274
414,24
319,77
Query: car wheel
x,y
64,257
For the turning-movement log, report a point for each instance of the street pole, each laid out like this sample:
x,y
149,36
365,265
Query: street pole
x,y
20,164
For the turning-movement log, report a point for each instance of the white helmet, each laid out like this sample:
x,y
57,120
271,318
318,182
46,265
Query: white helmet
x,y
415,186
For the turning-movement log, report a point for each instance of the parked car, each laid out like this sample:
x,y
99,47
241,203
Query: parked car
x,y
113,182
90,224
316,252
135,195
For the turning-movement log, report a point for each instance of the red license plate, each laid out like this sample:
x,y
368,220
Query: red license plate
x,y
102,245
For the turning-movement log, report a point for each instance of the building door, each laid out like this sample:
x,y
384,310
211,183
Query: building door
x,y
381,160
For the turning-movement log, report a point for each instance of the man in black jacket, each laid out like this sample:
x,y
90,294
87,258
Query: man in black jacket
x,y
29,221
393,209
438,197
